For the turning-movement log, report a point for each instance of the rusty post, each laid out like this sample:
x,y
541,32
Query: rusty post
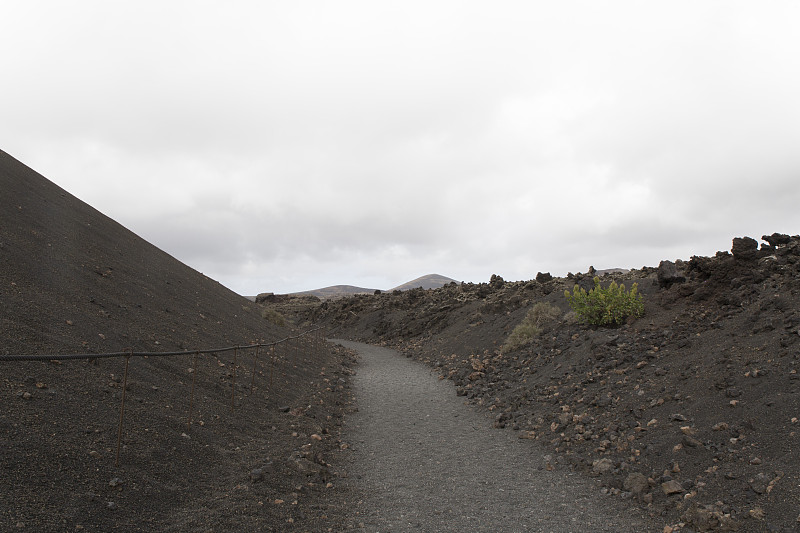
x,y
233,383
271,364
191,396
122,409
255,361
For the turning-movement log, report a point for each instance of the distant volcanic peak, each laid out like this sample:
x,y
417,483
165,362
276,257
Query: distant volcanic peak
x,y
336,291
430,281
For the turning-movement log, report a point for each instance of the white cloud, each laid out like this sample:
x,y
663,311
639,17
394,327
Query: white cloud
x,y
285,146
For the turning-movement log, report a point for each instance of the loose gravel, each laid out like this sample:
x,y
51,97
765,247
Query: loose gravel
x,y
426,461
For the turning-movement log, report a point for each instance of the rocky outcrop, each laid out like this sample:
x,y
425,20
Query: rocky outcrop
x,y
668,274
744,249
777,239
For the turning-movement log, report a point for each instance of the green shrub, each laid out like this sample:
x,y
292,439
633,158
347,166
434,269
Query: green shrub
x,y
540,315
605,307
274,317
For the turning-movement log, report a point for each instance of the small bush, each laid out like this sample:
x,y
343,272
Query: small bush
x,y
606,307
540,315
274,317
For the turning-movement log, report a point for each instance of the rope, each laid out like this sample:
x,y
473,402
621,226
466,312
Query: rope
x,y
65,357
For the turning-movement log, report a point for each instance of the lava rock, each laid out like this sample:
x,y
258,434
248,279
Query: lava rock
x,y
668,274
636,483
672,487
602,466
744,248
776,239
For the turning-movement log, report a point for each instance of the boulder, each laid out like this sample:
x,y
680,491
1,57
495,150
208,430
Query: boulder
x,y
543,277
777,239
668,274
744,249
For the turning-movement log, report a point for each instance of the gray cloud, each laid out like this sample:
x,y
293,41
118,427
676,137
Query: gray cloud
x,y
285,146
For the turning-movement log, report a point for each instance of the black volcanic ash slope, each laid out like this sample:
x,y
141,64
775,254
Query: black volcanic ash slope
x,y
74,281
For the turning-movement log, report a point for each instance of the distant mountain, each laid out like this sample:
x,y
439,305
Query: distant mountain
x,y
431,281
335,291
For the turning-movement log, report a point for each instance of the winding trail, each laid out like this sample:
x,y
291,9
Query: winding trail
x,y
425,461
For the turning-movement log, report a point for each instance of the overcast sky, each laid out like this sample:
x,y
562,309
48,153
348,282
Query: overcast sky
x,y
286,146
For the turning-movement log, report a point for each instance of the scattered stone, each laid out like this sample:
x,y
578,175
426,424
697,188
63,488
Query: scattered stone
x,y
304,466
691,442
116,482
636,483
602,466
760,483
256,475
700,518
671,487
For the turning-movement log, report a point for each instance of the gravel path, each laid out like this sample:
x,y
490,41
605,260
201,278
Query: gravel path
x,y
425,461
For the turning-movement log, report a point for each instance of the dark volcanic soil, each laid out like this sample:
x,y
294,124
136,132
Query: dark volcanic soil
x,y
257,454
690,411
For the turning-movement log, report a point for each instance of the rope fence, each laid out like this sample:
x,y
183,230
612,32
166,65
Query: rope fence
x,y
314,337
66,357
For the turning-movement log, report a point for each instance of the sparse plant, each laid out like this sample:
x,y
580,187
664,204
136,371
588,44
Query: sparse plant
x,y
273,316
609,306
540,315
